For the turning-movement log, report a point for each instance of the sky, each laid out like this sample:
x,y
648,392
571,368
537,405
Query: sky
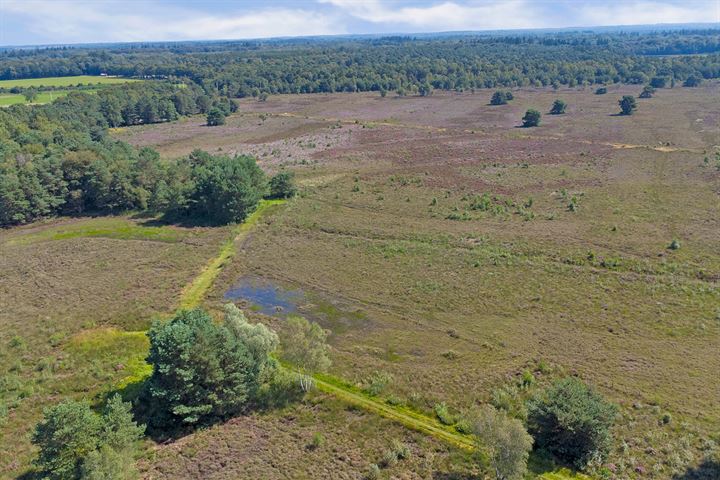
x,y
33,22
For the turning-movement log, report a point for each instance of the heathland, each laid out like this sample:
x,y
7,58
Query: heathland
x,y
436,241
464,248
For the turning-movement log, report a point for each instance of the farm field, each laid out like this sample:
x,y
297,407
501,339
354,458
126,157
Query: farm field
x,y
42,97
453,252
448,251
64,81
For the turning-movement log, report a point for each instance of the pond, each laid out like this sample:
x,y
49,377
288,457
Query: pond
x,y
270,299
265,296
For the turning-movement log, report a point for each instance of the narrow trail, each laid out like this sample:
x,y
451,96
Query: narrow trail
x,y
408,418
194,292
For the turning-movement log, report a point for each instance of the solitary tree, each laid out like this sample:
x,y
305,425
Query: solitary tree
x,y
215,117
531,118
571,421
30,94
627,104
503,441
558,107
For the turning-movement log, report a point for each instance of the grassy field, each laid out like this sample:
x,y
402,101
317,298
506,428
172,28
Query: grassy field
x,y
441,245
64,81
457,296
69,290
42,97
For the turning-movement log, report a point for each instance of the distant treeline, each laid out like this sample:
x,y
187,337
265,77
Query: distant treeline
x,y
240,69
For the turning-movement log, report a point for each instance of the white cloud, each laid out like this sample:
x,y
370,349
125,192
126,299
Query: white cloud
x,y
648,12
67,21
447,15
479,14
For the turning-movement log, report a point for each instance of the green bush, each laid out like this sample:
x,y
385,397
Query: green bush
x,y
377,382
75,442
389,459
443,414
203,371
282,185
558,107
501,97
503,441
226,189
627,105
402,451
531,118
374,472
215,117
601,91
571,421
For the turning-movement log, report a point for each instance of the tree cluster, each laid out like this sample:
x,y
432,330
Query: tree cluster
x,y
76,443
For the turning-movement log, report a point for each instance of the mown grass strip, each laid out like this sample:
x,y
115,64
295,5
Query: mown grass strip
x,y
408,418
193,294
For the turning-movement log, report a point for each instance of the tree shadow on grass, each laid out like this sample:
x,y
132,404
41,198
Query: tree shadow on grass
x,y
175,220
709,469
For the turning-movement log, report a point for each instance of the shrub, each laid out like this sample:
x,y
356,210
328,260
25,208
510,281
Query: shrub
x,y
402,451
531,118
627,105
503,441
571,421
558,107
203,371
601,91
215,117
373,472
282,185
501,98
647,92
658,82
304,344
318,440
674,245
389,459
509,400
444,415
377,382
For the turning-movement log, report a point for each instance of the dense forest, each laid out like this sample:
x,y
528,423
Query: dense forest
x,y
240,69
57,158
